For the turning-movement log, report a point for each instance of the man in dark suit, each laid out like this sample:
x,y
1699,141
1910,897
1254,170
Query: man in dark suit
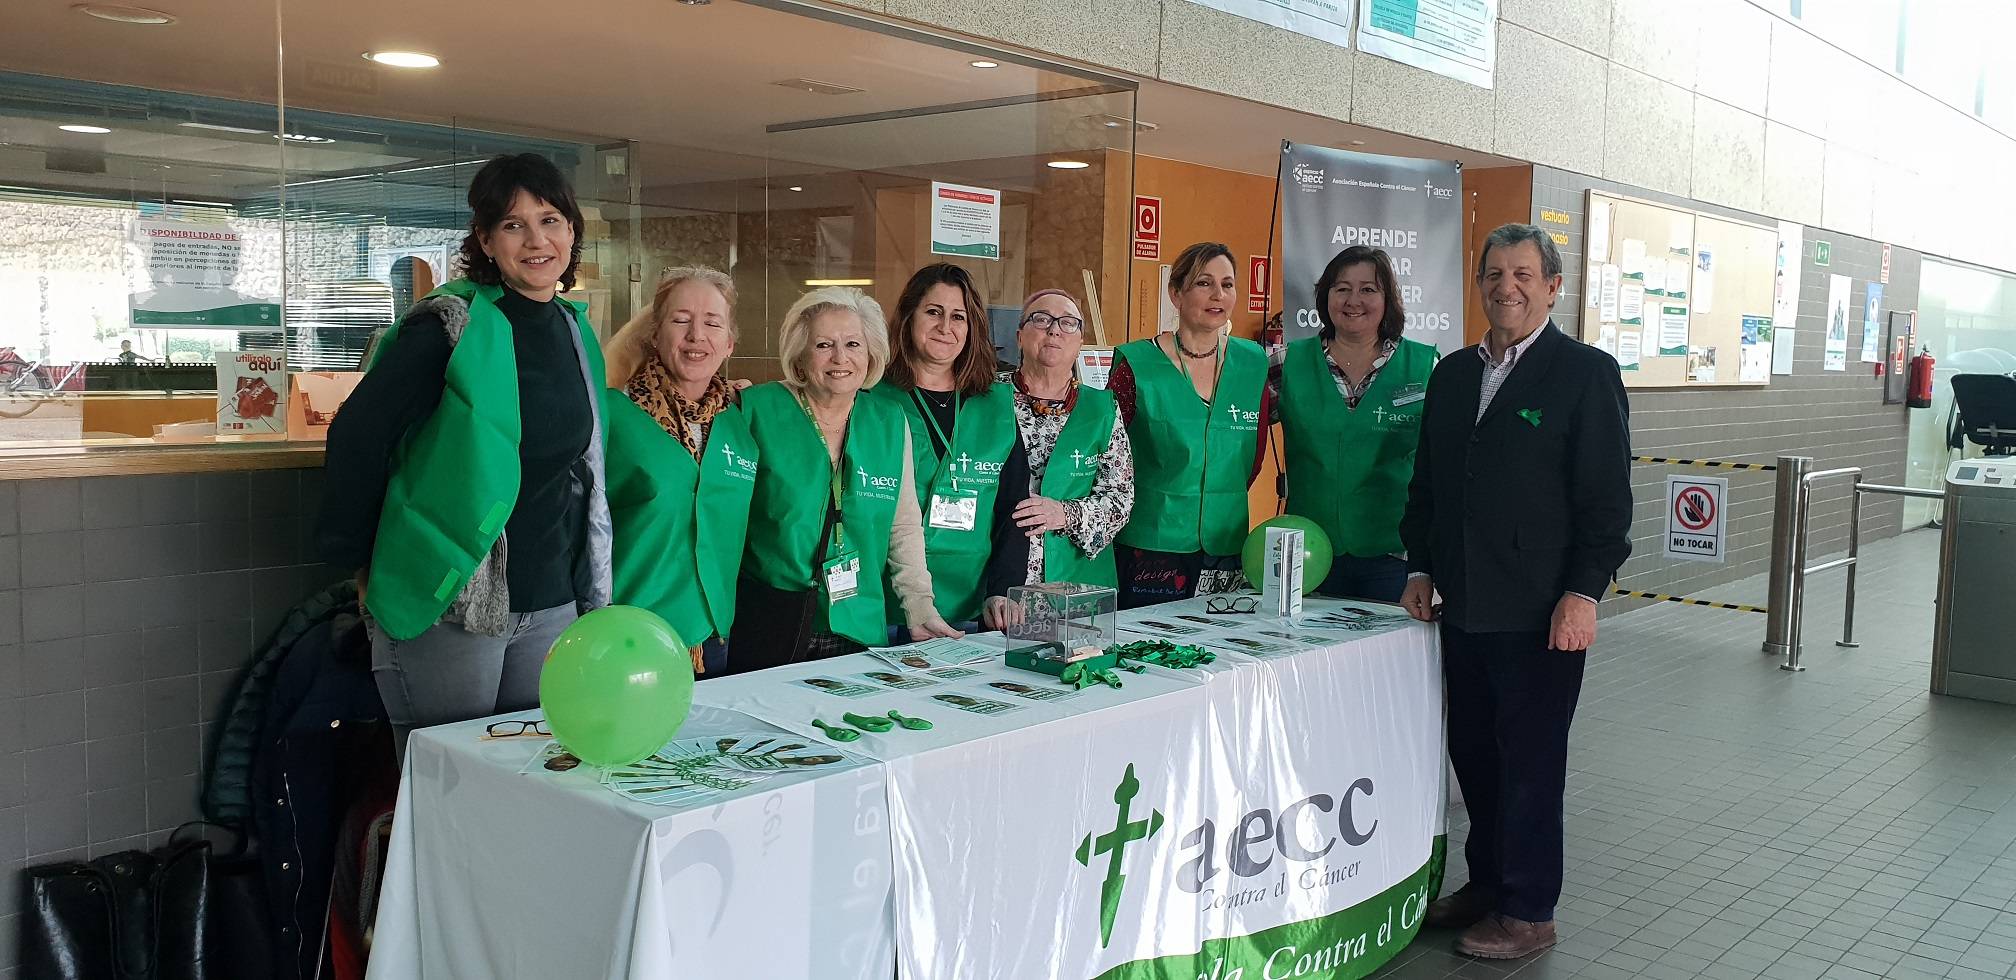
x,y
1519,514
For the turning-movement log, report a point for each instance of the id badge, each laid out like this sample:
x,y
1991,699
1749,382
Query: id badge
x,y
955,510
842,576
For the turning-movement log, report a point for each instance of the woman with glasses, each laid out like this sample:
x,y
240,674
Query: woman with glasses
x,y
479,426
1195,402
962,431
1078,487
834,513
1351,400
682,464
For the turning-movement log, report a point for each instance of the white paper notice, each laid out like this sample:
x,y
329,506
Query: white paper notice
x,y
1672,331
1606,340
1592,285
1781,352
1704,280
1756,365
1701,364
1655,277
1598,235
1785,290
1611,280
1682,239
1676,278
1633,257
1629,348
1631,303
965,221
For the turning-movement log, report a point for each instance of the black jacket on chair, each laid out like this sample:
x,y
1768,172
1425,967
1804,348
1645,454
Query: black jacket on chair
x,y
1510,512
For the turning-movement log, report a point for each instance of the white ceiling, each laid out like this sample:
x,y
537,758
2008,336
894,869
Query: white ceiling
x,y
692,84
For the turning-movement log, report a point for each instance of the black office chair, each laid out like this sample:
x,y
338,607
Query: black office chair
x,y
1986,404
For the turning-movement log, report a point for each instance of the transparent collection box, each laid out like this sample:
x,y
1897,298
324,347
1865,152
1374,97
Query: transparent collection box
x,y
1061,623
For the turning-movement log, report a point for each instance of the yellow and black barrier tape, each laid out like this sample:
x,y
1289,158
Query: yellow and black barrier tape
x,y
1712,464
1688,601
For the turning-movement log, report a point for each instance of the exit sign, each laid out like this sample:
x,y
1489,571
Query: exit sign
x,y
1823,253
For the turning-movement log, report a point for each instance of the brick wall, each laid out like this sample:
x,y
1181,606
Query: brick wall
x,y
1838,418
127,607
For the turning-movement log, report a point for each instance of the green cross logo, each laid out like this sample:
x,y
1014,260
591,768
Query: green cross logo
x,y
1114,842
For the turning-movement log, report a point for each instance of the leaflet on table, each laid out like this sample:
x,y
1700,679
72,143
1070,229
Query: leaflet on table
x,y
940,652
700,770
1354,619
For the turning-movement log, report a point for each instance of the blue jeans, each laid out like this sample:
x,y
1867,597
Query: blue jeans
x,y
1380,579
449,674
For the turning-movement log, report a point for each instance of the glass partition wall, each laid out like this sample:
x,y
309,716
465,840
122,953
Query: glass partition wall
x,y
178,190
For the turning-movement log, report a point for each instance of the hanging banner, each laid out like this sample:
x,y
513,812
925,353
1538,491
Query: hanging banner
x,y
189,274
1324,21
1457,38
1412,209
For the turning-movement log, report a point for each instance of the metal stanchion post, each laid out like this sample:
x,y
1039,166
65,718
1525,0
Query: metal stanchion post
x,y
1788,545
1803,496
1854,552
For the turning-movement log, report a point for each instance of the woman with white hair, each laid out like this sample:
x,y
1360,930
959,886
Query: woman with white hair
x,y
835,504
682,463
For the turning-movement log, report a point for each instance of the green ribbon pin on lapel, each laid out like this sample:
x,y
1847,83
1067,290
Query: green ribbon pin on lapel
x,y
1531,415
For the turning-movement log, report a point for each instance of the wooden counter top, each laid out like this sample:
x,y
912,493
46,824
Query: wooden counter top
x,y
144,456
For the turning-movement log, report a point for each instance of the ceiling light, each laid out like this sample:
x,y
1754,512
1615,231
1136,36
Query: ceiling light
x,y
795,188
985,64
302,138
839,282
1357,142
89,130
222,129
403,59
1068,164
695,3
123,14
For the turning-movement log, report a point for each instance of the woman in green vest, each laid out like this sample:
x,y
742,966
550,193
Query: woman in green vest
x,y
834,513
682,464
1350,401
478,424
1078,488
962,431
1195,402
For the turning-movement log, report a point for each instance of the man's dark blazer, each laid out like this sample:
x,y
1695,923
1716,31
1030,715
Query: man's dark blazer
x,y
1533,501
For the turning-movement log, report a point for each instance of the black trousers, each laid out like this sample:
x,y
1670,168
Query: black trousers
x,y
1511,701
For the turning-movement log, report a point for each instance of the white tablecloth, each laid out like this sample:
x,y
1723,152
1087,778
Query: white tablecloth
x,y
961,840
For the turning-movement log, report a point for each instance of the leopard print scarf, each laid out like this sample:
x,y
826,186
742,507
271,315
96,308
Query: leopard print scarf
x,y
655,391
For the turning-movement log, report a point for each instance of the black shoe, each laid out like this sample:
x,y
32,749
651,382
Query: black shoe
x,y
1464,907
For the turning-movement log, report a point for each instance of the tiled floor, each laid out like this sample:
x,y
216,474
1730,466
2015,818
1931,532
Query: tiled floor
x,y
1730,820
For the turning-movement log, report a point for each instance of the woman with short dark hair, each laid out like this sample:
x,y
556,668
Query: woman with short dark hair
x,y
1350,401
478,424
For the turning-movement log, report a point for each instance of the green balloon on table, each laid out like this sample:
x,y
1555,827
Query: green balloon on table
x,y
616,686
1316,554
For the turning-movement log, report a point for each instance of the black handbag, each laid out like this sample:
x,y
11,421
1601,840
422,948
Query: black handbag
x,y
238,930
133,915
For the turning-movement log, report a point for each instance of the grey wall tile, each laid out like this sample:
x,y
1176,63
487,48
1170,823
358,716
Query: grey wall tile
x,y
52,613
174,801
119,710
112,502
56,824
170,498
111,763
60,770
171,651
173,752
49,505
53,558
114,658
10,616
10,561
171,702
223,644
221,497
52,719
10,496
51,666
115,814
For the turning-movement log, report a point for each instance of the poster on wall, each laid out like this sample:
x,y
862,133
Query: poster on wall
x,y
1456,38
965,221
1872,324
1838,288
251,394
1413,209
188,276
1755,363
1785,292
1310,18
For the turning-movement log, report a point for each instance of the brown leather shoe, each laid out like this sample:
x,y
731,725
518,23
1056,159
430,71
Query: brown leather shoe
x,y
1460,908
1502,937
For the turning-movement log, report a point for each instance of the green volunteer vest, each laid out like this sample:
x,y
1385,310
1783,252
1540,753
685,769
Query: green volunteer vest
x,y
1192,461
455,476
680,524
1069,475
1348,468
979,444
794,488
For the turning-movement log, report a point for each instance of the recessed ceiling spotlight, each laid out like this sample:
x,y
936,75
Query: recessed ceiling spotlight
x,y
795,188
403,59
223,129
1068,164
1357,142
120,13
985,64
302,138
695,3
89,130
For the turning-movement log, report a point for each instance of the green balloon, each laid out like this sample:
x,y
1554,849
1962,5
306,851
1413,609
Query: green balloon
x,y
1316,554
616,686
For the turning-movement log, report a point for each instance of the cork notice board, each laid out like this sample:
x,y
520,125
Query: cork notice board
x,y
1681,299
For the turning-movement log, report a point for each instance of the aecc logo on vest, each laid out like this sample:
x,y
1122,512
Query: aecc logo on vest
x,y
883,487
739,466
1242,420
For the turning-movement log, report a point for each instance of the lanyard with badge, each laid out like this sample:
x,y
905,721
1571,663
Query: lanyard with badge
x,y
952,508
841,573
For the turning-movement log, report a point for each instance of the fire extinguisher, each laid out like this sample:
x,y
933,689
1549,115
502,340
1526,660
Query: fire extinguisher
x,y
1921,380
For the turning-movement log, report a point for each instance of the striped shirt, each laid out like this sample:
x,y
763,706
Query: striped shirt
x,y
1495,372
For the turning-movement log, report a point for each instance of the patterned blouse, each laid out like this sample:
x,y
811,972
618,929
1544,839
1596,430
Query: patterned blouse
x,y
1092,521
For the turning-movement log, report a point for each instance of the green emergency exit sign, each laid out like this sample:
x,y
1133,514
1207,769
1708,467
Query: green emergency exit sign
x,y
1823,253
